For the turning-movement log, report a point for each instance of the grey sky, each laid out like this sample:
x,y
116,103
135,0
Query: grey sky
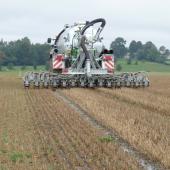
x,y
132,19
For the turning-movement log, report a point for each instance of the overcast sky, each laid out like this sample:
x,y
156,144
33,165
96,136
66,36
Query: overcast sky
x,y
132,19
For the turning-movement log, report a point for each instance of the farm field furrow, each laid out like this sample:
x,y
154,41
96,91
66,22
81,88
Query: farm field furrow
x,y
20,147
39,131
79,141
146,128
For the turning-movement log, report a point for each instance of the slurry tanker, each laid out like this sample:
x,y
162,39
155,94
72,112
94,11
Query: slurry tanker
x,y
78,58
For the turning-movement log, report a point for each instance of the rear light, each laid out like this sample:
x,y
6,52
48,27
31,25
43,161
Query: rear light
x,y
107,57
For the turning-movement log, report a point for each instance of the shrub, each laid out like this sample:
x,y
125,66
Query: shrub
x,y
119,67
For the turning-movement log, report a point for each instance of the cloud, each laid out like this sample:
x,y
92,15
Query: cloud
x,y
141,20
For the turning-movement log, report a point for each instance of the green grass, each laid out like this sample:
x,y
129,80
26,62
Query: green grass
x,y
106,139
16,156
17,70
151,67
19,156
143,66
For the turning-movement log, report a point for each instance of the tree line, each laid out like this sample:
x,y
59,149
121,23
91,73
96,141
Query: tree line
x,y
23,52
139,51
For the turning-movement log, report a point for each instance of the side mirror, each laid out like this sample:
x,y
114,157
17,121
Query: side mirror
x,y
49,40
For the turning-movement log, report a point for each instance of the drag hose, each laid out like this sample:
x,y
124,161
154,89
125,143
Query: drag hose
x,y
89,24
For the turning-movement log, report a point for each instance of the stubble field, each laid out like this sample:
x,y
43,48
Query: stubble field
x,y
39,130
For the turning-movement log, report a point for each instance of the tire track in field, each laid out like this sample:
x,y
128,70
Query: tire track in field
x,y
76,138
142,159
62,126
78,135
146,131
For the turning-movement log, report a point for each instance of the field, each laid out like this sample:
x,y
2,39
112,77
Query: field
x,y
145,65
150,67
73,128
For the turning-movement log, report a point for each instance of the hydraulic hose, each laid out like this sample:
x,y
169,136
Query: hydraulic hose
x,y
89,24
83,46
